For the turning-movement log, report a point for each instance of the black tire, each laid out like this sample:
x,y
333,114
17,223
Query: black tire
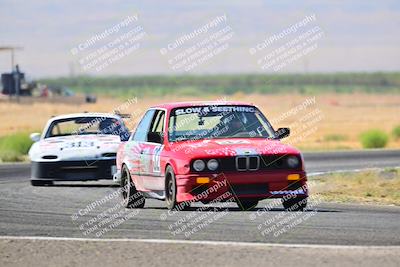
x,y
246,204
41,183
295,204
133,199
170,192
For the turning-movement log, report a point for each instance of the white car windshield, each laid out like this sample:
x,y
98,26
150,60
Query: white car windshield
x,y
87,125
211,122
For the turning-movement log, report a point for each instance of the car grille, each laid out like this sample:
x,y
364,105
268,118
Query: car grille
x,y
254,163
247,163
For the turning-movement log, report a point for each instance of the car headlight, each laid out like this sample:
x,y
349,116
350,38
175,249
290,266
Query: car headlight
x,y
199,165
212,164
293,161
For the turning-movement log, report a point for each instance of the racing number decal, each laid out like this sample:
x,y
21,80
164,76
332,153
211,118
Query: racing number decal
x,y
156,158
145,161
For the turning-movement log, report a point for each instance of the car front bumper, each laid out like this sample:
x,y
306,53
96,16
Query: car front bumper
x,y
242,185
77,170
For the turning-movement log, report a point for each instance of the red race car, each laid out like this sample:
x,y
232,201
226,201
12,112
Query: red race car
x,y
207,152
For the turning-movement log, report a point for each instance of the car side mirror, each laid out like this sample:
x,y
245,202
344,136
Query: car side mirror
x,y
35,137
282,133
154,137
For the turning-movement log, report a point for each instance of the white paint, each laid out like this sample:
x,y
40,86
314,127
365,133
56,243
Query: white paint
x,y
195,242
347,171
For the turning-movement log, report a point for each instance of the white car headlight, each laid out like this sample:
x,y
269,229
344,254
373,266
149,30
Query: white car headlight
x,y
199,165
212,164
293,161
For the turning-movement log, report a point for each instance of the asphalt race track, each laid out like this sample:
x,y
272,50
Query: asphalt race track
x,y
324,162
67,210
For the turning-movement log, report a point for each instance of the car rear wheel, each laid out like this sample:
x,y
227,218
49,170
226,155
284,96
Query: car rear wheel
x,y
246,204
41,183
132,198
295,204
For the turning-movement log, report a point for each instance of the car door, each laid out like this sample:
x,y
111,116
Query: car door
x,y
135,149
151,173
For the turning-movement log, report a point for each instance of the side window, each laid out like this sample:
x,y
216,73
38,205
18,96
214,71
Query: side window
x,y
156,131
157,125
143,126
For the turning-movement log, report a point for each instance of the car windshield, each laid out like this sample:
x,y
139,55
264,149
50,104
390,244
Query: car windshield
x,y
88,125
211,122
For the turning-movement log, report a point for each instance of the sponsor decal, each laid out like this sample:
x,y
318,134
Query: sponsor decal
x,y
79,144
157,158
225,151
287,192
145,160
232,142
47,145
207,109
54,142
245,151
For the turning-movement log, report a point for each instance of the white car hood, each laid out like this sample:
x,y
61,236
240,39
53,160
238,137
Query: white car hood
x,y
74,147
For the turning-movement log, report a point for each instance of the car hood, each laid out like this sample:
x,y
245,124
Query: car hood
x,y
75,147
232,147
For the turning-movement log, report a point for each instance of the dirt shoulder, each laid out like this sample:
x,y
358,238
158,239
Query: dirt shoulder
x,y
371,187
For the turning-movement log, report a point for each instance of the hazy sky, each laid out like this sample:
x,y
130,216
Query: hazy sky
x,y
357,35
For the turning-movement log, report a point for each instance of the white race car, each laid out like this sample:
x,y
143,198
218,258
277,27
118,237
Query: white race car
x,y
76,147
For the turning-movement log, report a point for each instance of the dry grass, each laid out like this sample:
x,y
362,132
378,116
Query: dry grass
x,y
377,187
345,115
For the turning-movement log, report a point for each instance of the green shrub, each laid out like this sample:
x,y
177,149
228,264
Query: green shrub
x,y
10,156
374,139
13,147
396,132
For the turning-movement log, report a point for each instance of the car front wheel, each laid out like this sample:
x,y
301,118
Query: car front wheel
x,y
171,191
170,188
